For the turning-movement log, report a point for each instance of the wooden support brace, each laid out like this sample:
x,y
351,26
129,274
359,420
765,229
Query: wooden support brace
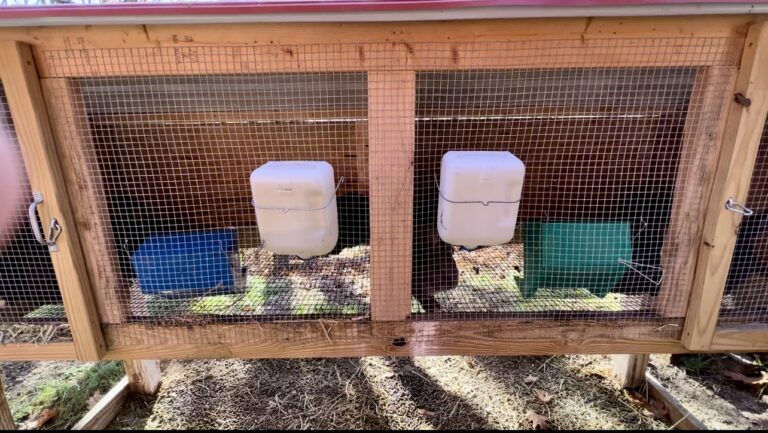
x,y
681,418
75,148
629,370
702,136
143,376
741,140
6,418
391,137
30,117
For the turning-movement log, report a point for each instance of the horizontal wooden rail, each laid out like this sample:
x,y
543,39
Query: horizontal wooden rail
x,y
38,352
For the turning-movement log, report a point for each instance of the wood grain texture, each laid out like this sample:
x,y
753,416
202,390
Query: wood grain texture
x,y
6,417
702,136
143,376
38,352
391,141
186,48
27,106
680,417
422,338
84,183
740,338
629,370
106,409
739,148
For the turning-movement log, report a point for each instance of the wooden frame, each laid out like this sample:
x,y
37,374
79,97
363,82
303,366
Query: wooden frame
x,y
734,172
90,288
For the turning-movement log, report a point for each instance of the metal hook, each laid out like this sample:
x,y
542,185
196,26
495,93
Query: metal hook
x,y
732,205
484,203
286,210
634,266
54,231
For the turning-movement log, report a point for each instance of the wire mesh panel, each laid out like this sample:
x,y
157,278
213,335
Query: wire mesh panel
x,y
164,141
746,289
31,309
606,151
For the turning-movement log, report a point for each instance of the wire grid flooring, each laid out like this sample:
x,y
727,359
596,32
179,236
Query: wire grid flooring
x,y
602,148
745,298
31,309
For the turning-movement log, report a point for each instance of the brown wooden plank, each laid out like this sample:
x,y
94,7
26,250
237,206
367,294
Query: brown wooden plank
x,y
702,136
681,418
143,376
192,49
38,352
6,417
629,370
27,106
740,338
737,159
340,339
106,409
84,183
391,141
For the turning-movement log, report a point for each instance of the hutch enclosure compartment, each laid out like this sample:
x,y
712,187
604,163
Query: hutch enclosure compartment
x,y
267,190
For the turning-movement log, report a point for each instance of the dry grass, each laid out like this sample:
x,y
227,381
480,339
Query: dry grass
x,y
386,393
31,333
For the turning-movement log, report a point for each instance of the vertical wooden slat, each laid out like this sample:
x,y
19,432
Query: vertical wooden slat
x,y
629,370
391,140
734,172
702,136
27,106
75,147
6,418
143,376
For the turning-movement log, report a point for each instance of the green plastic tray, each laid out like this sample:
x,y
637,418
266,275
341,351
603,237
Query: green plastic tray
x,y
560,255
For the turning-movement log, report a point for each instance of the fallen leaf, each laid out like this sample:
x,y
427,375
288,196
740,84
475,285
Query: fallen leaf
x,y
92,400
470,363
42,419
426,413
747,380
540,422
530,379
544,396
635,397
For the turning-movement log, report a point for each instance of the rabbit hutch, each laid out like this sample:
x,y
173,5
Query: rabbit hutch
x,y
322,179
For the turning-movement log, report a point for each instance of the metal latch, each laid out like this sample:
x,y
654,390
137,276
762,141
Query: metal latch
x,y
732,205
54,230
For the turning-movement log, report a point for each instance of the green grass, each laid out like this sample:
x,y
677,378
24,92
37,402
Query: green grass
x,y
67,393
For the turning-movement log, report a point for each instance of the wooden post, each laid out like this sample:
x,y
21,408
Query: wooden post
x,y
741,140
6,418
702,135
143,376
30,117
391,137
629,370
84,184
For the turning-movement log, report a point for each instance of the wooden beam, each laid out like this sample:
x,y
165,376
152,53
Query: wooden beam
x,y
741,140
629,370
416,338
702,136
6,417
38,352
391,141
681,418
106,409
740,338
143,376
83,177
27,106
201,49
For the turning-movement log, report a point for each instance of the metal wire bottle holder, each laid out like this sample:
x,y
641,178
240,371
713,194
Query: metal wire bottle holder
x,y
299,209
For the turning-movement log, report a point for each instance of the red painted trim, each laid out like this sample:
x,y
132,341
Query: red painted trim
x,y
309,6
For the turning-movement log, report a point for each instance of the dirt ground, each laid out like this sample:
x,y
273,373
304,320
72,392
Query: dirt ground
x,y
451,392
387,393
